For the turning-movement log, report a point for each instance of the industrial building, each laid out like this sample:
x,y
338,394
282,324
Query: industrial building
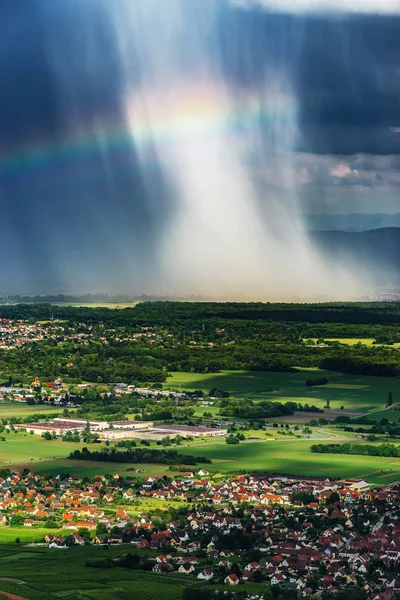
x,y
82,423
192,431
120,430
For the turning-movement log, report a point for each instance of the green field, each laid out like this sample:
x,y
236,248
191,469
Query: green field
x,y
26,535
20,409
26,449
349,341
295,458
355,393
49,574
392,413
41,573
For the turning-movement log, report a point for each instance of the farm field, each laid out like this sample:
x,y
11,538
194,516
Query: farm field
x,y
262,453
20,409
357,393
110,305
40,573
92,468
27,535
295,458
27,450
49,574
392,413
349,341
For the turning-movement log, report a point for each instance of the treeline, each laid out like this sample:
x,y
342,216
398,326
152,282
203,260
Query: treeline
x,y
226,336
247,409
138,455
387,450
170,313
359,365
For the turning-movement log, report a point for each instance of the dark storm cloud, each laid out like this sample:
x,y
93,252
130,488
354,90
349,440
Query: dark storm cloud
x,y
346,79
345,70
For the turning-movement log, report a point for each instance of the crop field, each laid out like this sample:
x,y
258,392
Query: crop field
x,y
49,574
111,305
295,458
358,393
40,573
349,341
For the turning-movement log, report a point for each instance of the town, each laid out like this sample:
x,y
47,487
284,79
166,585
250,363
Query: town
x,y
211,456
311,536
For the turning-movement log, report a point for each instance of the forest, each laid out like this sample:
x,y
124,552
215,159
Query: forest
x,y
359,449
142,344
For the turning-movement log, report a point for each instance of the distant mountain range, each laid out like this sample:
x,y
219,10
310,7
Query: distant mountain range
x,y
377,250
352,221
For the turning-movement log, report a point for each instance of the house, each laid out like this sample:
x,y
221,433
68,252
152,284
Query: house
x,y
186,569
78,540
231,579
115,538
360,486
162,567
206,575
121,515
253,566
277,579
57,544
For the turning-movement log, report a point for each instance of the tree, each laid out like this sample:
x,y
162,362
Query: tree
x,y
390,399
16,521
85,533
101,529
232,439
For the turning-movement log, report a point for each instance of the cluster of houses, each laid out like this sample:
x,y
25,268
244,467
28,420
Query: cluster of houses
x,y
303,535
16,333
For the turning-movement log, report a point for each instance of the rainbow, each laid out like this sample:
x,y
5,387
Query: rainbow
x,y
191,113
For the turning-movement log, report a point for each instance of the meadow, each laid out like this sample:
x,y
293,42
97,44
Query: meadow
x,y
293,457
357,393
274,453
21,409
23,449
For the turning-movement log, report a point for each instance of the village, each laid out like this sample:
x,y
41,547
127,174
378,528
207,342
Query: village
x,y
309,536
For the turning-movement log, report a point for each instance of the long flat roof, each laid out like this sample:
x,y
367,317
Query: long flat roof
x,y
188,428
47,425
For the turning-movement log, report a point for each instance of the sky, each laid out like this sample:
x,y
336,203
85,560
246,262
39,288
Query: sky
x,y
91,172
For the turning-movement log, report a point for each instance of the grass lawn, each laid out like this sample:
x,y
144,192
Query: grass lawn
x,y
294,457
355,393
